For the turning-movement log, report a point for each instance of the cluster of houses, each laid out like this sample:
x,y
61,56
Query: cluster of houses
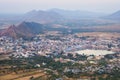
x,y
66,44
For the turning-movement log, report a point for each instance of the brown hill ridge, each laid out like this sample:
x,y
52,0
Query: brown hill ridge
x,y
24,30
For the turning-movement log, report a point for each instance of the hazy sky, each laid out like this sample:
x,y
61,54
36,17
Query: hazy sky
x,y
20,6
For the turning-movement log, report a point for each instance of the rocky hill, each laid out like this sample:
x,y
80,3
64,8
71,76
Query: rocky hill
x,y
24,29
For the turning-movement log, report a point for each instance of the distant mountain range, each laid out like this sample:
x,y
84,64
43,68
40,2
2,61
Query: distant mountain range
x,y
77,14
114,16
58,15
42,16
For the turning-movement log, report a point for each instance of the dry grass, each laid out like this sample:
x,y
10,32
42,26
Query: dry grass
x,y
4,57
100,34
22,76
